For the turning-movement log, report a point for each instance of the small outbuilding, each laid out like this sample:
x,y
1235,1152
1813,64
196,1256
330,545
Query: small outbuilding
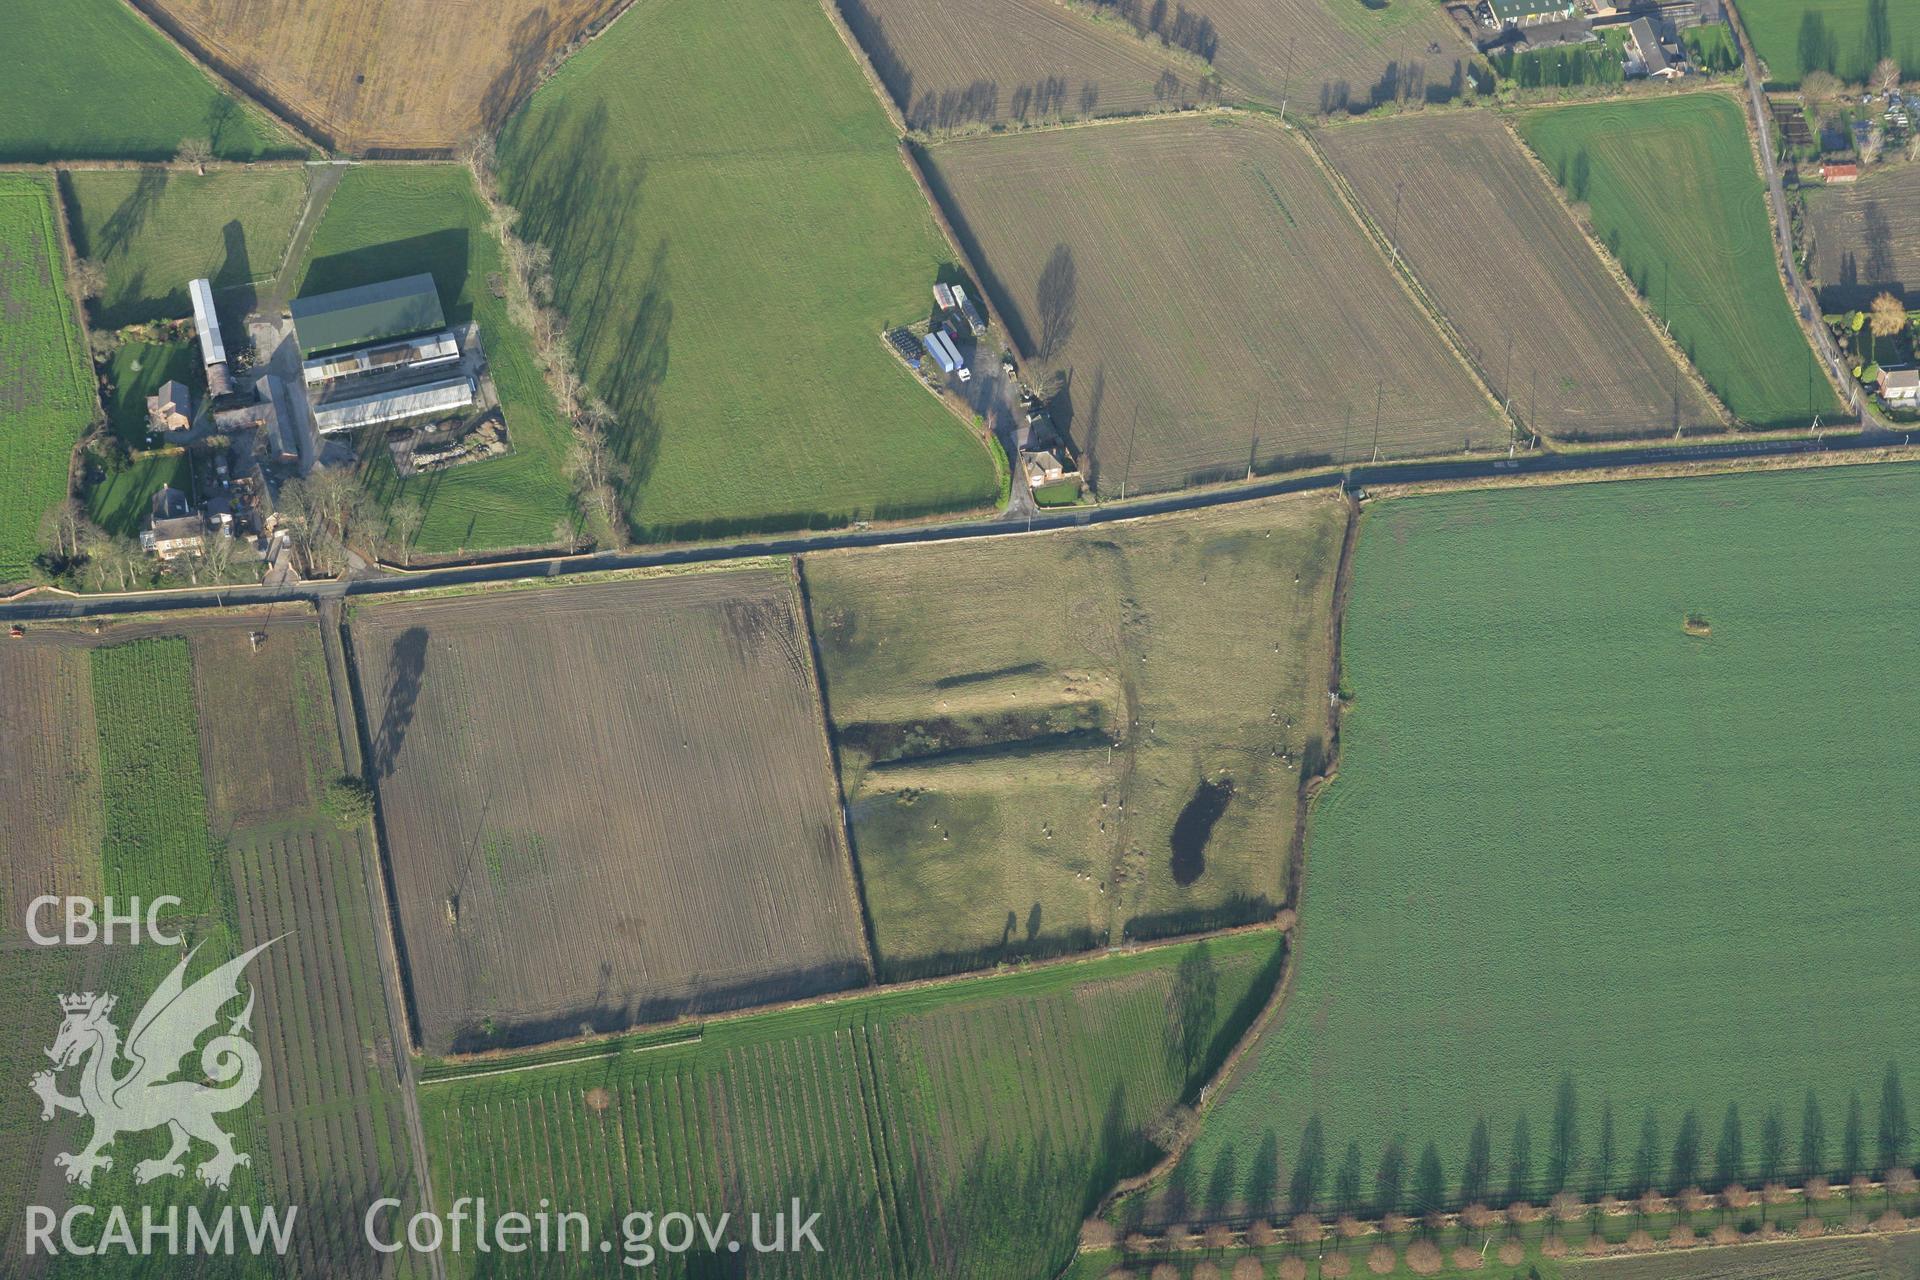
x,y
1525,13
1848,172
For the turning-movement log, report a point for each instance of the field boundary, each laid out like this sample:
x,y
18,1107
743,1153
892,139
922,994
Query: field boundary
x,y
211,68
909,156
60,229
823,722
1404,272
859,51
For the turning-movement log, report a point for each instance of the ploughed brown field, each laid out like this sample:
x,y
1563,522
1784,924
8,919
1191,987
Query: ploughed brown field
x,y
1205,301
371,75
1551,331
1016,62
605,804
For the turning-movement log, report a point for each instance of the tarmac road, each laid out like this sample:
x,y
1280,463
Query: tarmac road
x,y
1355,478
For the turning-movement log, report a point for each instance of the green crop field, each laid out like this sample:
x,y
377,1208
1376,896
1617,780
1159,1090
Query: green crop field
x,y
959,1131
1112,749
1846,37
731,228
1673,193
91,79
1597,901
154,229
46,395
385,222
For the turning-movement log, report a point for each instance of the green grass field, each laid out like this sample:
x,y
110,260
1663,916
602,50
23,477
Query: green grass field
x,y
396,221
1846,37
155,229
1673,193
92,80
731,228
46,392
136,371
121,502
961,1130
1593,900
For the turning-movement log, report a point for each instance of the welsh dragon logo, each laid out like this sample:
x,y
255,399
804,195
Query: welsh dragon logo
x,y
147,1094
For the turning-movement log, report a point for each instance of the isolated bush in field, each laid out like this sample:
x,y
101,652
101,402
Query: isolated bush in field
x,y
1737,1196
1477,1216
349,800
1512,1252
1612,1206
1641,1241
1653,1204
1596,1245
1165,1271
1521,1212
1336,1265
1554,1246
1692,1200
1292,1269
1811,1227
1890,1221
1249,1268
1381,1259
1726,1233
1423,1258
1261,1234
1681,1235
1350,1227
1467,1258
1097,1233
1397,1224
1817,1188
1861,1186
1567,1207
1307,1229
1217,1236
1204,1271
1900,1182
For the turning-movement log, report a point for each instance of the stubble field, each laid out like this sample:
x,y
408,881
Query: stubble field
x,y
154,230
731,228
394,75
1866,239
1334,55
960,1131
1180,278
605,804
1670,187
1501,960
1549,328
1046,743
1017,62
46,391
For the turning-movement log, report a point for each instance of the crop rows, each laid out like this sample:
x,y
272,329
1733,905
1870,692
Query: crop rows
x,y
953,1132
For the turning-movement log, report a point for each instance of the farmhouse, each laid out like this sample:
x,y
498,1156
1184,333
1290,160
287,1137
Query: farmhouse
x,y
1900,388
1848,172
173,527
171,407
1649,59
1525,13
382,353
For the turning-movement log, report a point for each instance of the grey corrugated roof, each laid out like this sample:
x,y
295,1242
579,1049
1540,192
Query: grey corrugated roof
x,y
370,313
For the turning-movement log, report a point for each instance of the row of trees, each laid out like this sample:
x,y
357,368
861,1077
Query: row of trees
x,y
594,462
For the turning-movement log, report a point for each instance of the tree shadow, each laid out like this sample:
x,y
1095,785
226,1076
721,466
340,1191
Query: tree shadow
x,y
406,667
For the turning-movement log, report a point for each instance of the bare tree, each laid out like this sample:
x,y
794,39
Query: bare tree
x,y
403,525
1056,301
1873,144
90,277
197,152
1819,90
1886,75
